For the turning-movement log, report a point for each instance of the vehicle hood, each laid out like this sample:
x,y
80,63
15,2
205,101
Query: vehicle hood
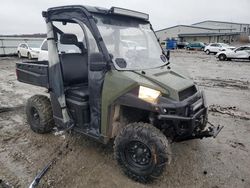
x,y
228,48
35,49
168,81
224,51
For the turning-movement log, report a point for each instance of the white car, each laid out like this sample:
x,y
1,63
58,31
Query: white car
x,y
43,50
27,50
242,52
131,45
217,47
43,55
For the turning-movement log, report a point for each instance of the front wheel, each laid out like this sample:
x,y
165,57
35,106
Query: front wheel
x,y
29,56
207,52
142,151
222,57
19,55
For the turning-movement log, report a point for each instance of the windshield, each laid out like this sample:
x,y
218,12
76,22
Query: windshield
x,y
34,44
224,45
131,41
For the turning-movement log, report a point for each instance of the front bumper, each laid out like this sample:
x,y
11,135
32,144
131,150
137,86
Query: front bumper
x,y
191,123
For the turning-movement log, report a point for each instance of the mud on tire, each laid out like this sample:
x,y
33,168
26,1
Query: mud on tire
x,y
39,114
142,151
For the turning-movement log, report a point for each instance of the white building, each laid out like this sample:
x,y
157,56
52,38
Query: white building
x,y
206,31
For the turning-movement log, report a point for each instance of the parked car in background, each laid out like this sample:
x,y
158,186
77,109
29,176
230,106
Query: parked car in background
x,y
28,50
242,52
131,45
43,54
181,45
217,47
196,46
43,50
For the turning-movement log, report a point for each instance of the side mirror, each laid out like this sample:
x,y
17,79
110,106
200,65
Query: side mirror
x,y
168,55
96,62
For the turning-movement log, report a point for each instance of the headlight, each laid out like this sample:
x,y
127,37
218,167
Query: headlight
x,y
149,95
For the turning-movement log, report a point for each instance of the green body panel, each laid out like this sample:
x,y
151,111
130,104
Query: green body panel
x,y
118,83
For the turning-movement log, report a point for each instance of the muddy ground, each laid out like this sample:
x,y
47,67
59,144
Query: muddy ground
x,y
220,162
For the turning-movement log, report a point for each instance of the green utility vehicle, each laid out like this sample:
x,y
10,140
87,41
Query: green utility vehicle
x,y
109,79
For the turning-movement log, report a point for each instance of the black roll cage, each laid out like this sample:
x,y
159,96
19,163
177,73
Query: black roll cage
x,y
71,14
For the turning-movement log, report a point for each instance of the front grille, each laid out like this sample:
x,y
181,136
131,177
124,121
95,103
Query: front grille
x,y
184,94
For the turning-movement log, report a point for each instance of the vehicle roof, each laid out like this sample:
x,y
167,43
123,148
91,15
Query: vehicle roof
x,y
218,43
244,46
22,44
196,42
90,9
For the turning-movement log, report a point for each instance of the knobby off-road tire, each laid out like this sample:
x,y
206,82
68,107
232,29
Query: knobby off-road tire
x,y
39,114
142,151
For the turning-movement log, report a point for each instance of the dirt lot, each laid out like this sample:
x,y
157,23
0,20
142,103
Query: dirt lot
x,y
220,162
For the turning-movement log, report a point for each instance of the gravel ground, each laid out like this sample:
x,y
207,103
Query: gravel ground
x,y
220,162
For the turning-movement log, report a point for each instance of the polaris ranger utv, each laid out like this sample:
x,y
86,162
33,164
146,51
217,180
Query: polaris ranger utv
x,y
108,78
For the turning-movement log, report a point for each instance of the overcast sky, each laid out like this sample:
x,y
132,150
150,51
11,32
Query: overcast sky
x,y
24,16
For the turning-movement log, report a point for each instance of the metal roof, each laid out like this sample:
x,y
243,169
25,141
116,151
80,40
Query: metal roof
x,y
207,34
221,22
192,26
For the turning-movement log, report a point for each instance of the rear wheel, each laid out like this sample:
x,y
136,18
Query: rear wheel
x,y
29,56
188,48
207,52
142,151
222,57
39,114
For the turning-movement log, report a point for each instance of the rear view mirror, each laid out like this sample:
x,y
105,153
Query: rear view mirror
x,y
97,62
68,38
121,62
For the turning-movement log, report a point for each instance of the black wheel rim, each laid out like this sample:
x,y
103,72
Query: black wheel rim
x,y
35,115
138,155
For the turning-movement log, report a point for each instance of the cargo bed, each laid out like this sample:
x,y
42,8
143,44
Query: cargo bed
x,y
33,72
